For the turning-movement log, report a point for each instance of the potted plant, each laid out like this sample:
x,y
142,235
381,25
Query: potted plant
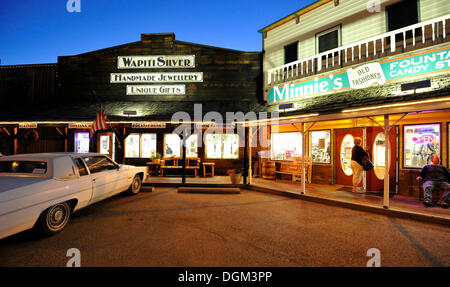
x,y
156,158
235,175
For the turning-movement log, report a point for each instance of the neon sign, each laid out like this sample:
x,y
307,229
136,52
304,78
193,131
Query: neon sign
x,y
423,139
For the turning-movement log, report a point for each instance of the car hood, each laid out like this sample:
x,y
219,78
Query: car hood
x,y
13,182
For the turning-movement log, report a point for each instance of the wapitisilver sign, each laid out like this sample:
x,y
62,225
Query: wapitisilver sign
x,y
363,76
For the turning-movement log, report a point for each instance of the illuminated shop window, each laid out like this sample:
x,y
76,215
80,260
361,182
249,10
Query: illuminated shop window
x,y
320,146
172,145
346,154
148,145
379,160
132,145
82,142
225,146
420,142
140,146
191,146
104,144
285,146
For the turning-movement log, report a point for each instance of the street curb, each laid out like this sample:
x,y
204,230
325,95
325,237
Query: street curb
x,y
211,190
366,208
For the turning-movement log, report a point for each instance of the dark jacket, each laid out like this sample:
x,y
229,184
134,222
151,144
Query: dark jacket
x,y
435,173
358,154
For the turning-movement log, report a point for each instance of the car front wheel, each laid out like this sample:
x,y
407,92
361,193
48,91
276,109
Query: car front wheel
x,y
135,185
54,219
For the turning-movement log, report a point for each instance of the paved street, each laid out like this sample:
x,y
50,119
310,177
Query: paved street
x,y
166,228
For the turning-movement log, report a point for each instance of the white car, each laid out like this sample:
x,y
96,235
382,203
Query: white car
x,y
41,190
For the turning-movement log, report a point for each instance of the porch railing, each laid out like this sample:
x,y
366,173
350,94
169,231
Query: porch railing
x,y
385,44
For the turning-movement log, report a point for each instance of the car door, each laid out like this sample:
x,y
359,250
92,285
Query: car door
x,y
84,183
106,176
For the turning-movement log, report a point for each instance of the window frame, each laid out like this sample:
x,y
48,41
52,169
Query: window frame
x,y
103,169
221,146
386,9
75,141
327,31
164,145
296,53
310,145
271,145
403,142
140,144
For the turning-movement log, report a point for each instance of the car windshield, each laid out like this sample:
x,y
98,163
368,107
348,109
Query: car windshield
x,y
17,166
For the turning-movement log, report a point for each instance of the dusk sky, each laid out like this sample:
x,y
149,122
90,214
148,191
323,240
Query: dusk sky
x,y
38,31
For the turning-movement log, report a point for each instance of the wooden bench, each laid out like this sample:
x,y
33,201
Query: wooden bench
x,y
175,163
294,169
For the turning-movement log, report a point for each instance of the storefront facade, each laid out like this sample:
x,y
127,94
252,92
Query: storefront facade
x,y
141,86
338,70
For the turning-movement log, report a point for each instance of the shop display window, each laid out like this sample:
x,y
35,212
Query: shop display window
x,y
82,141
379,160
172,145
420,142
140,146
191,146
132,145
104,144
346,154
222,146
148,145
320,146
285,146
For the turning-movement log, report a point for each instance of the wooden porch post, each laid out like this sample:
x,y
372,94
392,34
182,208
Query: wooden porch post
x,y
303,159
250,135
183,178
15,140
386,161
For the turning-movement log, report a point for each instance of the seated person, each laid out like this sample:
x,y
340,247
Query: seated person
x,y
435,175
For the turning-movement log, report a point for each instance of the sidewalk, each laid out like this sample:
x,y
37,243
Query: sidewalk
x,y
337,195
399,206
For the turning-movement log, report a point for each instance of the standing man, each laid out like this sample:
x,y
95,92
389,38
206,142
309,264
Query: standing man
x,y
435,175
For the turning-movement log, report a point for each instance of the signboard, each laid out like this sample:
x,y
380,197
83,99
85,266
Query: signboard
x,y
148,125
189,77
80,125
156,62
156,89
428,62
28,125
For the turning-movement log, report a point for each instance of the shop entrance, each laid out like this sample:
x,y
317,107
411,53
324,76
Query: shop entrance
x,y
375,144
343,154
105,144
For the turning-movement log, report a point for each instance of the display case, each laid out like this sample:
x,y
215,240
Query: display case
x,y
420,142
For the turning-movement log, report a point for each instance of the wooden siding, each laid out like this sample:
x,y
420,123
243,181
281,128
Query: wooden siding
x,y
28,84
356,22
227,74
